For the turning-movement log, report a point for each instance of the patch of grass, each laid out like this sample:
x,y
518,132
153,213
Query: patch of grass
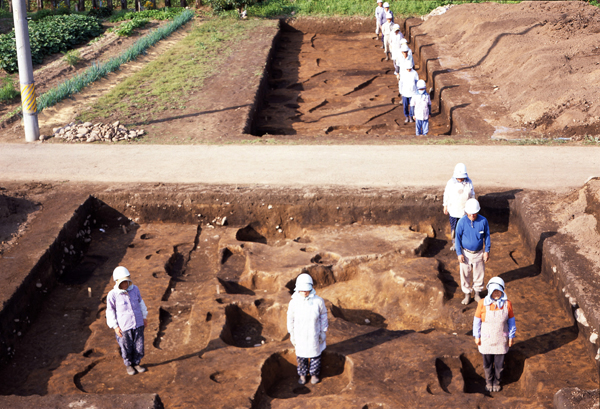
x,y
8,91
72,57
166,83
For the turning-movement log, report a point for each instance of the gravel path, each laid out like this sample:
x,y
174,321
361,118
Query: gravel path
x,y
530,167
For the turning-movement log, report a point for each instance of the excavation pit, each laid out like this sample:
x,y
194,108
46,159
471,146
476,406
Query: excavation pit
x,y
325,81
383,267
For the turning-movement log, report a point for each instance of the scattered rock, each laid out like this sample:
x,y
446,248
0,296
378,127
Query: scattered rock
x,y
88,132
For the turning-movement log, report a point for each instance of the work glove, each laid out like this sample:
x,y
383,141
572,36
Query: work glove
x,y
322,337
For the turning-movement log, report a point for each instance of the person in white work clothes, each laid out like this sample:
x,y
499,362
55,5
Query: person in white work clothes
x,y
307,324
458,190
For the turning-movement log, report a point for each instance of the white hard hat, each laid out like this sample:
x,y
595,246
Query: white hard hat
x,y
472,206
120,274
386,4
460,171
496,280
304,282
408,64
421,84
403,41
379,1
396,27
404,48
388,15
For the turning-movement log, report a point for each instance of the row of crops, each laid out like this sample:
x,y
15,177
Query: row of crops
x,y
59,33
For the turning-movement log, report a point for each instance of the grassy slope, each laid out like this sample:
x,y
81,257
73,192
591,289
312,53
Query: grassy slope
x,y
164,83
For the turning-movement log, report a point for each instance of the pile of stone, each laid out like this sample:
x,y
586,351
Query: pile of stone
x,y
88,132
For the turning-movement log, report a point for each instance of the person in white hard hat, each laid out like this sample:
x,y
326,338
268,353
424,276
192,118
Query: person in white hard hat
x,y
458,190
395,44
126,314
307,324
473,249
383,20
378,11
386,30
407,86
404,57
420,105
494,330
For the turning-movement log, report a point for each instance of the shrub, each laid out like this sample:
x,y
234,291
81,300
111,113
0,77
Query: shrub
x,y
127,28
8,90
100,12
223,5
49,36
166,13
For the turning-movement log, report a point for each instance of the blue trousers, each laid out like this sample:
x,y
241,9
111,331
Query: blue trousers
x,y
303,365
422,126
408,110
132,346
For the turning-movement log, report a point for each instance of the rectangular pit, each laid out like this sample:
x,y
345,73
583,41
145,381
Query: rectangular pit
x,y
183,245
331,78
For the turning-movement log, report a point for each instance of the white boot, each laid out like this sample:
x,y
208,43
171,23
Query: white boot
x,y
466,300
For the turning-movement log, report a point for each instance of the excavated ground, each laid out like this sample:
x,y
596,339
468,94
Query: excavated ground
x,y
218,289
335,84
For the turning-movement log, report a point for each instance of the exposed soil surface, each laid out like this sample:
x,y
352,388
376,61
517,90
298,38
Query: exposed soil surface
x,y
328,84
217,293
529,66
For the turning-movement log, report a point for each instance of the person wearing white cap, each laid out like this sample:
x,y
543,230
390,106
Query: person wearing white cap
x,y
378,11
405,56
307,324
421,104
126,314
458,190
473,249
407,86
494,330
387,31
395,44
383,20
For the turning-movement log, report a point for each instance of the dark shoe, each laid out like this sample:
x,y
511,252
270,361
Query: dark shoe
x,y
140,369
314,379
302,380
130,370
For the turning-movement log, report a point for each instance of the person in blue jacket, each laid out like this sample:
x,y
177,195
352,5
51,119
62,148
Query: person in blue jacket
x,y
473,249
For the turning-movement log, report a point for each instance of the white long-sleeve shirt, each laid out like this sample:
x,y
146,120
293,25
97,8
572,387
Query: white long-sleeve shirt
x,y
456,195
395,45
378,12
306,323
407,86
421,102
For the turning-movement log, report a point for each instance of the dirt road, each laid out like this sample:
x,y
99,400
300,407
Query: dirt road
x,y
555,168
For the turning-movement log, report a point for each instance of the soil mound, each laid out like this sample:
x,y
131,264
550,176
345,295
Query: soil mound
x,y
540,60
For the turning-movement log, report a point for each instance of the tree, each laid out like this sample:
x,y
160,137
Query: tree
x,y
123,4
182,3
109,4
167,3
81,5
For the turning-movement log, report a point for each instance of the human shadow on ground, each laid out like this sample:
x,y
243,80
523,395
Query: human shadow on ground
x,y
172,118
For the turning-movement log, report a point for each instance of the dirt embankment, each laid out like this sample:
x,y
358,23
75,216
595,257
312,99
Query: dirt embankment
x,y
531,67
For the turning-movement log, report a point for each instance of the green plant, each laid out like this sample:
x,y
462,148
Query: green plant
x,y
127,28
49,36
43,13
8,90
72,57
166,13
97,71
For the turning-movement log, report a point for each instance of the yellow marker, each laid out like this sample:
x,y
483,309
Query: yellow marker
x,y
28,98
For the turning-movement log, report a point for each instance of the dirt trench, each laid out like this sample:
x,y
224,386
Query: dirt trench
x,y
324,81
218,287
